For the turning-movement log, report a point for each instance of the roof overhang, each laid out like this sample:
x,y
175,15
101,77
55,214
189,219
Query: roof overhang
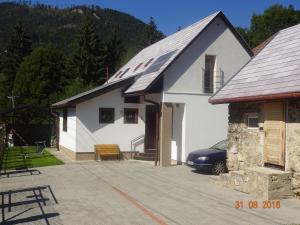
x,y
71,102
279,96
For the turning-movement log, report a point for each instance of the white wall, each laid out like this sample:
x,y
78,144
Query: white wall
x,y
186,75
68,138
177,140
91,132
203,124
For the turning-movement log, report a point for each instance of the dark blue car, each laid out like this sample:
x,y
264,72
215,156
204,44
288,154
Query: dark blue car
x,y
211,160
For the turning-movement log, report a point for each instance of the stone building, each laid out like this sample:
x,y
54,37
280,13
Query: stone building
x,y
264,120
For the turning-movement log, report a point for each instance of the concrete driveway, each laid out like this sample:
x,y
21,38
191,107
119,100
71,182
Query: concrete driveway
x,y
128,192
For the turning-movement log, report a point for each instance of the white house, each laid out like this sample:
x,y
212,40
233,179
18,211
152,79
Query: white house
x,y
157,103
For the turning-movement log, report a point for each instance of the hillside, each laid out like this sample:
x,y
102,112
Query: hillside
x,y
58,26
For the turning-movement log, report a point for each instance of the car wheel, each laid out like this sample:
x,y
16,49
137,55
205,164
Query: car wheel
x,y
219,167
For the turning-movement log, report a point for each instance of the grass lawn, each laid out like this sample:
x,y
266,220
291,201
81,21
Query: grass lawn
x,y
14,158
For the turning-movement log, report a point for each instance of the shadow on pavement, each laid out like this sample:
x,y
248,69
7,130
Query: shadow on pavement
x,y
28,205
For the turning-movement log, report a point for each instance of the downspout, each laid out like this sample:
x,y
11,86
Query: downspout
x,y
56,126
157,128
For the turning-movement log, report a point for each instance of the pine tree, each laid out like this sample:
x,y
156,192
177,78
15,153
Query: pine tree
x,y
18,47
41,79
86,61
151,34
113,52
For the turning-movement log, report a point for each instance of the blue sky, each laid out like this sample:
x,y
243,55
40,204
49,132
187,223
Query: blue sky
x,y
169,14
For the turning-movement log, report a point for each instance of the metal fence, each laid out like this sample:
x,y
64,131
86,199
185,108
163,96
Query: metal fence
x,y
213,80
2,143
28,134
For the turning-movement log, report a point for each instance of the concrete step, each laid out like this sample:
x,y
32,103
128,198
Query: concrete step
x,y
150,150
141,156
264,182
147,154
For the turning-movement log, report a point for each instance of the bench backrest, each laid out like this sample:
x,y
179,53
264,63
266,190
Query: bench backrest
x,y
103,149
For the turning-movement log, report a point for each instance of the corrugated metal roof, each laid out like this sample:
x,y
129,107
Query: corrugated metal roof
x,y
274,70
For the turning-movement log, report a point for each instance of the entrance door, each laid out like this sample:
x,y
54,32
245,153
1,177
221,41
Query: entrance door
x,y
274,127
151,127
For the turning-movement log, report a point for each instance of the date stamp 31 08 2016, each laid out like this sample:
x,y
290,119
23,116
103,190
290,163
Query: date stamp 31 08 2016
x,y
255,204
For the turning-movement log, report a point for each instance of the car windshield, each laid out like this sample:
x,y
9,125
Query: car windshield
x,y
222,145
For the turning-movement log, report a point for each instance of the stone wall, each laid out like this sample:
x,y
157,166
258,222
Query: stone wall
x,y
293,143
245,145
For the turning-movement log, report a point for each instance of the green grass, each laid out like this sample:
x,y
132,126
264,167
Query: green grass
x,y
14,159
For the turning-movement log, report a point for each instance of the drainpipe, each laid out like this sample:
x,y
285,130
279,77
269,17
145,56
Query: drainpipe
x,y
157,128
56,127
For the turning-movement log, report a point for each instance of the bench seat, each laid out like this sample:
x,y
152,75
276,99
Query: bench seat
x,y
104,150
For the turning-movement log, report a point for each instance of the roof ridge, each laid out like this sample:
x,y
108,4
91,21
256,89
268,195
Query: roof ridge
x,y
184,29
288,28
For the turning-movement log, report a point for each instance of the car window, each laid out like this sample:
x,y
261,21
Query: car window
x,y
222,145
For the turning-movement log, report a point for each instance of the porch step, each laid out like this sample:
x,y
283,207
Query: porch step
x,y
147,154
150,150
263,182
143,157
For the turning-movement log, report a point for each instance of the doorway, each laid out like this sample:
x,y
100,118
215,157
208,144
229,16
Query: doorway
x,y
274,127
151,124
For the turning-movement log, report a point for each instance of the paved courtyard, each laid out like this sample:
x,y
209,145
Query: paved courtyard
x,y
128,192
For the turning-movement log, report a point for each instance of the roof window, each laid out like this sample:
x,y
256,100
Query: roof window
x,y
138,66
118,73
124,73
149,61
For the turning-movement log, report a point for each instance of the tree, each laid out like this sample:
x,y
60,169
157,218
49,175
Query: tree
x,y
151,34
18,47
113,52
275,18
86,61
41,79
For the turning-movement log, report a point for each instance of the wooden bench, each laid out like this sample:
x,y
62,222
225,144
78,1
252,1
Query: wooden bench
x,y
104,150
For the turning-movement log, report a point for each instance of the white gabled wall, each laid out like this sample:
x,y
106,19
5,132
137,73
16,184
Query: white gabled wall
x,y
185,75
67,138
203,124
90,131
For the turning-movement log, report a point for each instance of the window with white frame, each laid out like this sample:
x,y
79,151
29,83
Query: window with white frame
x,y
252,121
208,76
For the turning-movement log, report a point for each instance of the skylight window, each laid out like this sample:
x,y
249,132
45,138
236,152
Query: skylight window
x,y
118,73
149,61
124,73
138,66
159,62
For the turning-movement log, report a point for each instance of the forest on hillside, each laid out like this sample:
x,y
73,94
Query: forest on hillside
x,y
48,54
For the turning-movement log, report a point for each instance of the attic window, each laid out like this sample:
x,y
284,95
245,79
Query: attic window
x,y
118,73
138,66
149,61
124,73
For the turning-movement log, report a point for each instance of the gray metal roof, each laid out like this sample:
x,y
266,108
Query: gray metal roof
x,y
174,43
91,93
150,62
274,70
